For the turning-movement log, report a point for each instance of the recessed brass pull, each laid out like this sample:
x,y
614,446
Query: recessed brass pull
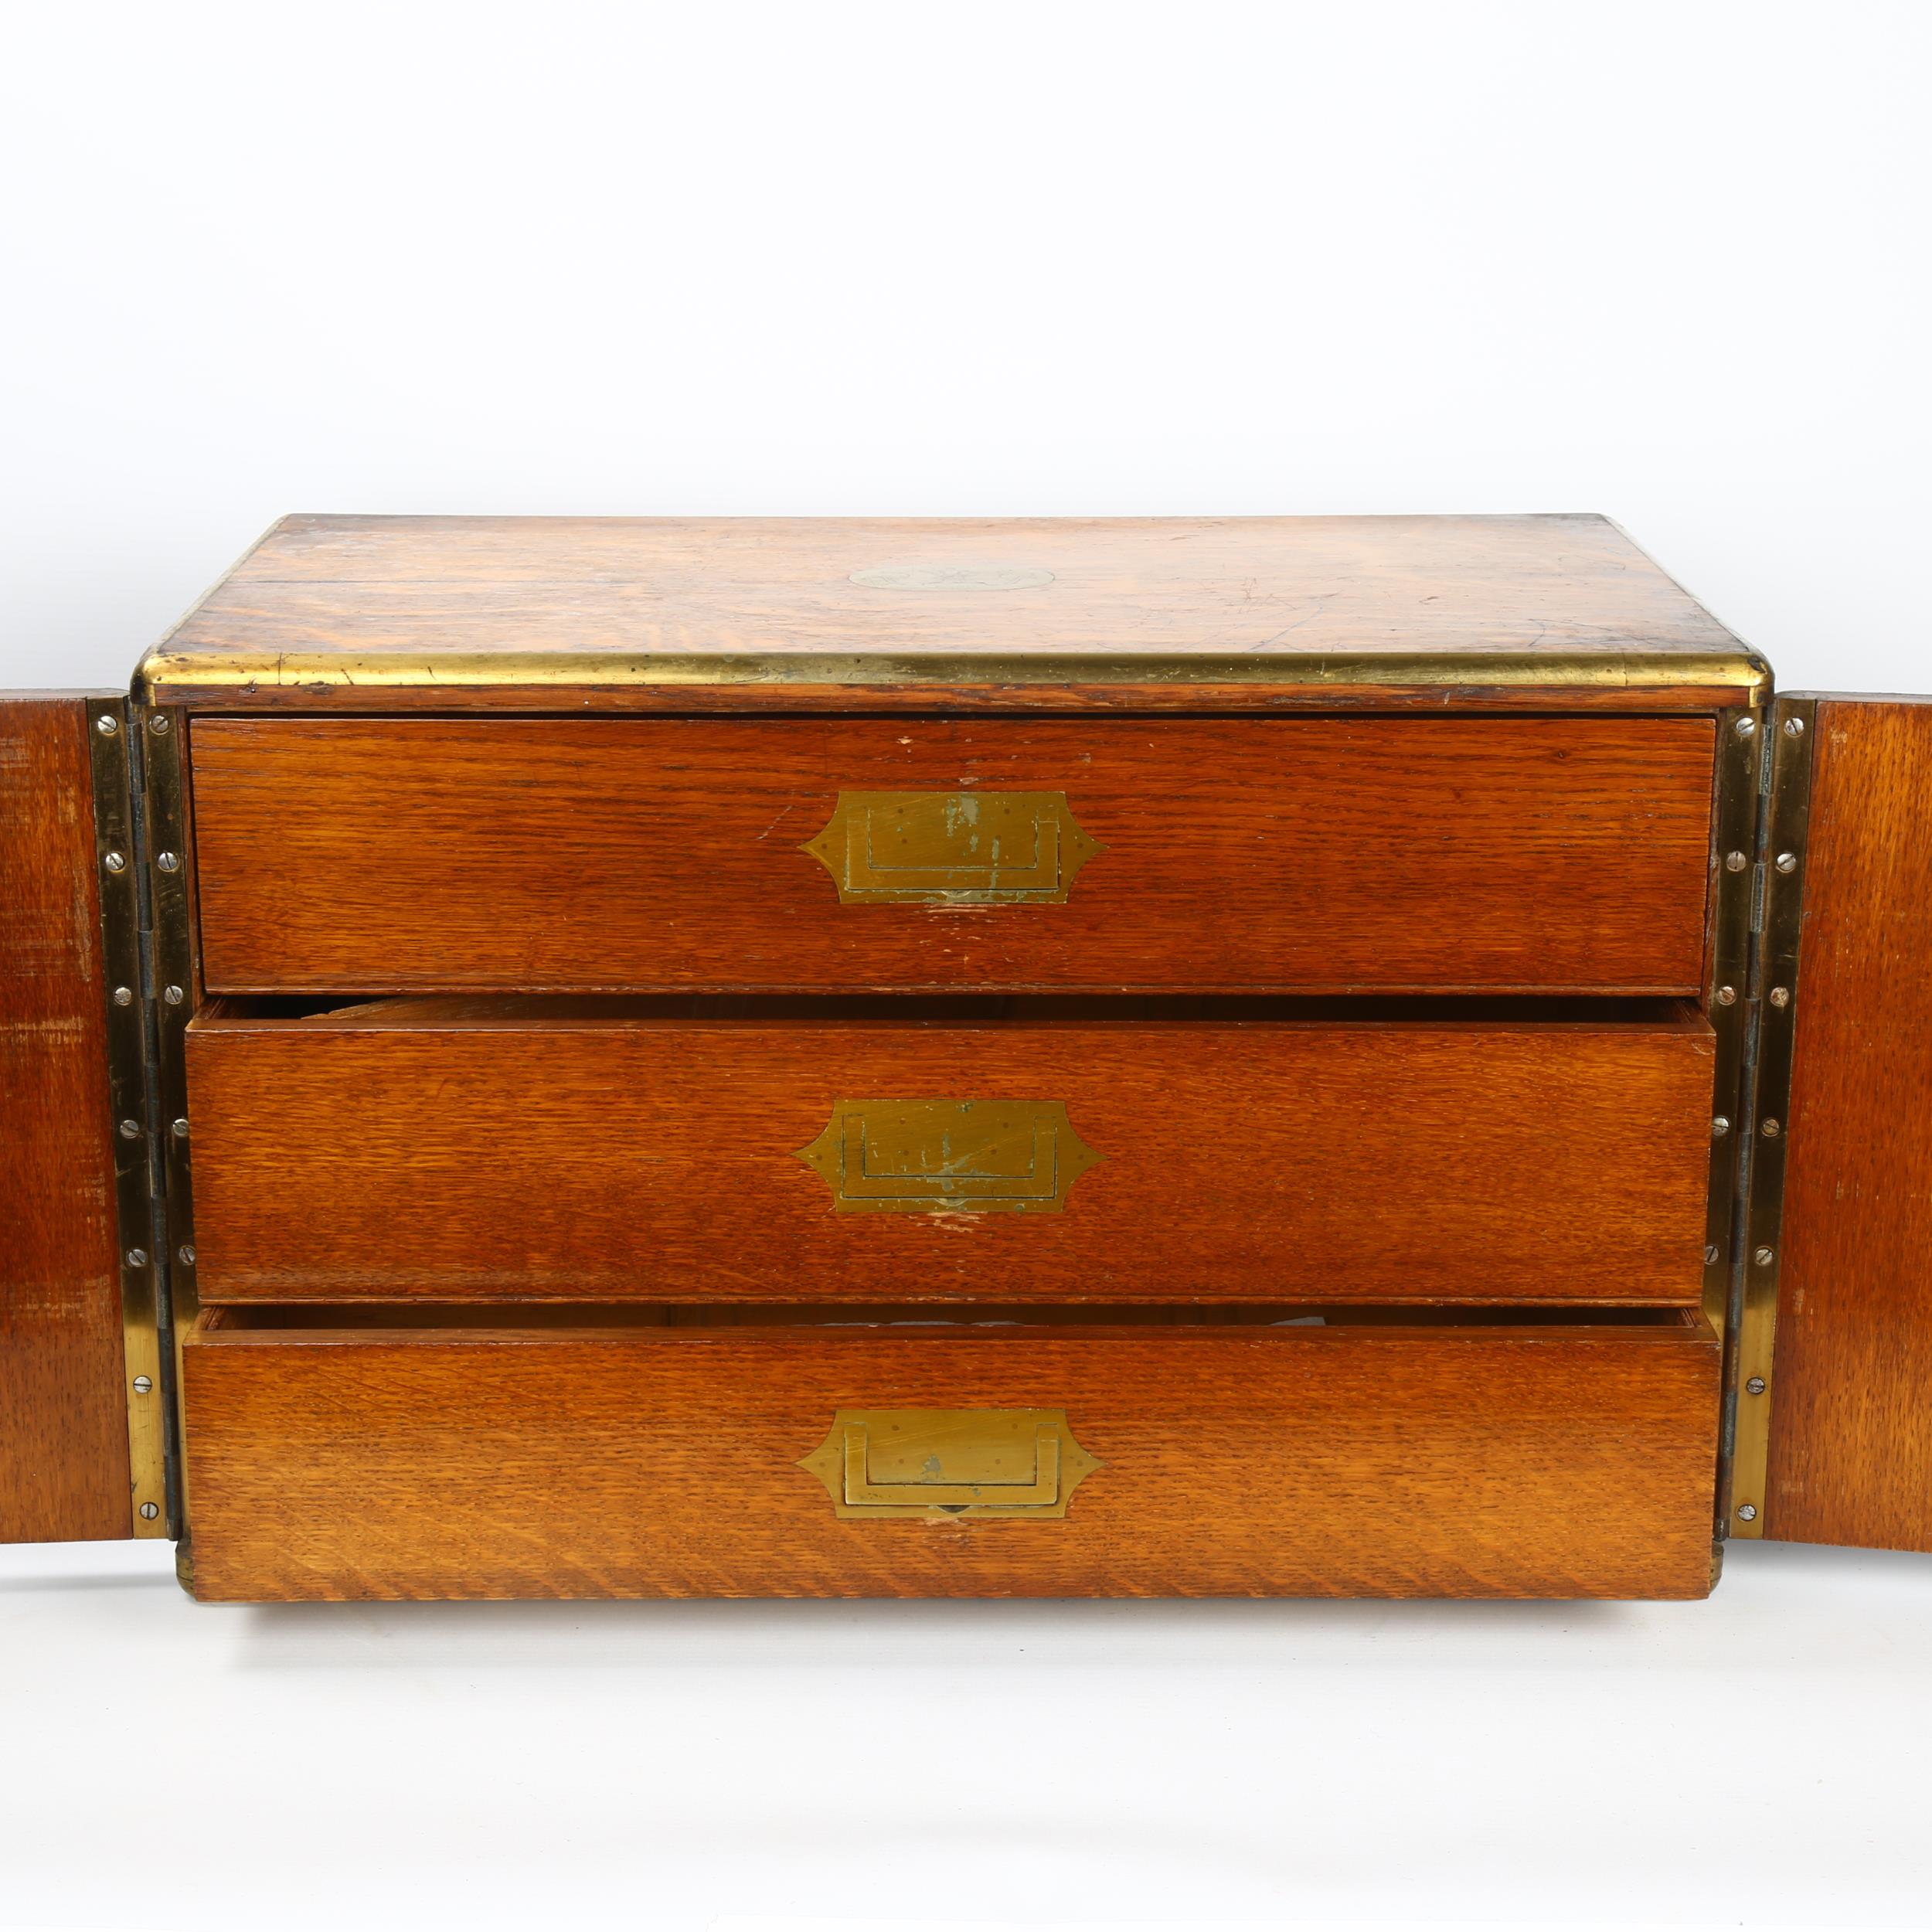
x,y
949,1157
953,848
955,1462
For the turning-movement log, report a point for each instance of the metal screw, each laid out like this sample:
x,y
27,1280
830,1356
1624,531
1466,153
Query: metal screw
x,y
1788,861
187,1257
137,1257
1735,862
1770,1130
130,1130
1747,1512
173,994
143,1386
180,1130
106,724
1720,1128
1755,1386
168,861
1794,727
124,996
1763,1257
157,724
1781,996
1710,1254
115,861
1746,726
1727,996
149,1511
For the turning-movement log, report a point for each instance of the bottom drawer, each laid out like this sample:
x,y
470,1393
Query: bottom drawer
x,y
579,1456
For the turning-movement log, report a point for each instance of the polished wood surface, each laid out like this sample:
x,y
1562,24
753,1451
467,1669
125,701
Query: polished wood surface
x,y
63,1417
1320,1462
1153,612
510,1148
1382,854
1851,1423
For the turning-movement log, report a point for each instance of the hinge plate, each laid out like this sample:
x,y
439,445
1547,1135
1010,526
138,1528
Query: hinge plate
x,y
1776,994
118,857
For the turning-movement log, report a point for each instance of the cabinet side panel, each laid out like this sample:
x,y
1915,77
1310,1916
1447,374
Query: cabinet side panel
x,y
1850,1426
63,1419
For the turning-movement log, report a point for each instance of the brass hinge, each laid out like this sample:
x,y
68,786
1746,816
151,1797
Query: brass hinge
x,y
1783,836
140,1213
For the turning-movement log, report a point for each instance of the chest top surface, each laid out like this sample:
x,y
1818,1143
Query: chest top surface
x,y
336,611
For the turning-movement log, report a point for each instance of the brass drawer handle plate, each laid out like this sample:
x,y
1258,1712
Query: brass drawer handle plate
x,y
949,1157
953,848
952,1462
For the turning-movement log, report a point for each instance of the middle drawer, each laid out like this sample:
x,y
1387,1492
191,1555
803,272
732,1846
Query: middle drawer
x,y
515,1149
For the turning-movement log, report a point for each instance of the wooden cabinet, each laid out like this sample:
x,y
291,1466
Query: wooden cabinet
x,y
1196,1057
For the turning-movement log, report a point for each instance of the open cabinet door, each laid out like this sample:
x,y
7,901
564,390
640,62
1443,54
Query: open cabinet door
x,y
81,1449
1834,1359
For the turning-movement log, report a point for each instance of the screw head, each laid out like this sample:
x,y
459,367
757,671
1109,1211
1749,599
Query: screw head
x,y
149,1511
130,1130
143,1386
137,1257
1781,996
1735,862
1794,727
1720,1128
1755,1386
106,724
168,861
1787,861
187,1256
1727,996
180,1130
1746,726
124,996
1769,1129
172,994
1763,1257
1710,1254
1747,1512
157,724
115,860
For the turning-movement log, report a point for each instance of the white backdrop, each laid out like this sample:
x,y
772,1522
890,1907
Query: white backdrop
x,y
1668,261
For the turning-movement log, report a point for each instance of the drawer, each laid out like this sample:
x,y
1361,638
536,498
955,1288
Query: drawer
x,y
331,1461
1382,854
575,1150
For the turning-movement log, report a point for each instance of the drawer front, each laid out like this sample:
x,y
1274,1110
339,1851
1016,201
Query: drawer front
x,y
1380,854
1401,1462
473,1150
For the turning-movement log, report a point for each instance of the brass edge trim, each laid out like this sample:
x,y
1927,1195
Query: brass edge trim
x,y
123,993
164,671
1733,852
1787,824
174,969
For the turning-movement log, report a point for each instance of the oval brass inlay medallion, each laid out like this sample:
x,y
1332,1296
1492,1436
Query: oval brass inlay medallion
x,y
952,1462
953,576
953,848
949,1157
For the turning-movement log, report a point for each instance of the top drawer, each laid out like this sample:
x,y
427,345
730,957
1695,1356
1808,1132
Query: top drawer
x,y
1316,854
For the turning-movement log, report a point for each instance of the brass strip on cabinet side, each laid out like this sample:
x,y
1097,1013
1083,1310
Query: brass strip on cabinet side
x,y
130,1121
167,868
1734,844
1793,727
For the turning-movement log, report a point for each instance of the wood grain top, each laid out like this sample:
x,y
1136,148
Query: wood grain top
x,y
353,610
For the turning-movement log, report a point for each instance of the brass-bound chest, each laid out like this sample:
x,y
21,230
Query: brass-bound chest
x,y
1237,1056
